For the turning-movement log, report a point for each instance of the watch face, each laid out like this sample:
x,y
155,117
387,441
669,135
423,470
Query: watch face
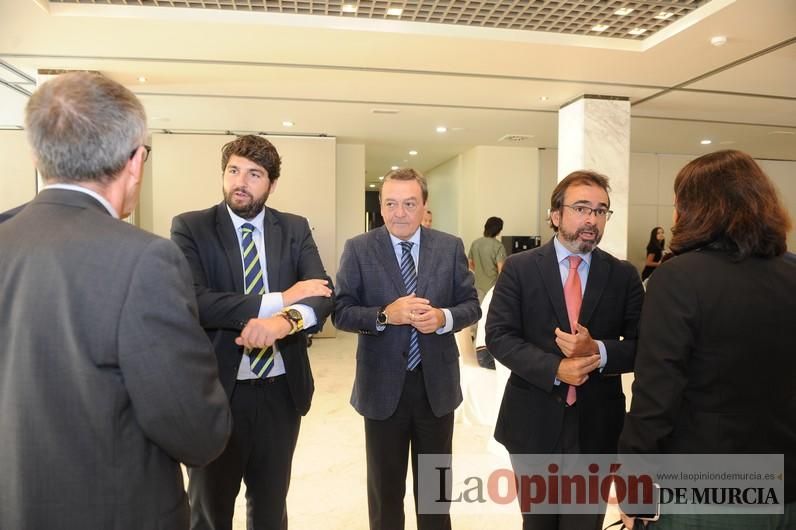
x,y
381,318
295,315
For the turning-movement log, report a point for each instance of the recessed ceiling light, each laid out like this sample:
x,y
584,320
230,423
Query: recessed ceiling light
x,y
395,11
349,8
142,79
637,31
624,11
287,123
394,168
664,15
381,177
371,185
412,152
706,142
442,129
718,40
543,98
599,28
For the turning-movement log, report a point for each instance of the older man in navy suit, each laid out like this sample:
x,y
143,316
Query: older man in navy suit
x,y
406,289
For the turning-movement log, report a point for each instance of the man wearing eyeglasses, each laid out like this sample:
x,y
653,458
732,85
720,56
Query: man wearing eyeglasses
x,y
564,320
108,379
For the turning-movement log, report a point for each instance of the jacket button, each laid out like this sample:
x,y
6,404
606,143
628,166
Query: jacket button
x,y
404,354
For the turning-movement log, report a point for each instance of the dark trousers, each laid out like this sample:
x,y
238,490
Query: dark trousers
x,y
567,443
265,427
413,427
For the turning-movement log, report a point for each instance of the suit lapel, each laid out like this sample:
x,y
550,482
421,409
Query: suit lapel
x,y
386,255
548,265
599,271
229,240
273,238
426,261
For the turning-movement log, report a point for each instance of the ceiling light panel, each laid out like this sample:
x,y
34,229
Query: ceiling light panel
x,y
556,16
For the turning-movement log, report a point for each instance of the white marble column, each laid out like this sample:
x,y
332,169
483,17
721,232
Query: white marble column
x,y
594,133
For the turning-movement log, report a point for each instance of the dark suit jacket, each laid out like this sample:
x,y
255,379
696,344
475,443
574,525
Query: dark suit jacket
x,y
208,240
8,214
716,360
527,305
106,378
369,278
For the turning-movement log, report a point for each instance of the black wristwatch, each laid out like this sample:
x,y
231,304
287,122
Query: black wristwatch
x,y
381,316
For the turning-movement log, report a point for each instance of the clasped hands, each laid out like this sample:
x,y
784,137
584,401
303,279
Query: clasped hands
x,y
582,356
416,312
263,332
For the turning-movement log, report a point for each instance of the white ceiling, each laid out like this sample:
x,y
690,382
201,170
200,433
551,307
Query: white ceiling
x,y
216,70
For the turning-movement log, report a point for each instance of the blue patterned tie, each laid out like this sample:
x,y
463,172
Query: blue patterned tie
x,y
262,360
409,275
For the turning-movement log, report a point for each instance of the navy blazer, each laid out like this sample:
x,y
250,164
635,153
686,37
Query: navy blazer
x,y
527,305
370,278
208,240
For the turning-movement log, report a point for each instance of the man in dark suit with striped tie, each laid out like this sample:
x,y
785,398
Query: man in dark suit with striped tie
x,y
406,290
261,287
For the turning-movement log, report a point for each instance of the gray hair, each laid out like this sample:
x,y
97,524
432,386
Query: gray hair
x,y
84,127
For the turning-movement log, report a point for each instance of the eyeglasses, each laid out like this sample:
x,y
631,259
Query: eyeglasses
x,y
585,211
146,155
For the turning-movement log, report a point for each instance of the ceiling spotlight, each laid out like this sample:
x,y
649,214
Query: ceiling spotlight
x,y
624,11
394,168
718,40
442,129
664,15
599,28
141,79
395,11
412,152
543,98
381,177
287,123
349,8
371,185
637,31
706,142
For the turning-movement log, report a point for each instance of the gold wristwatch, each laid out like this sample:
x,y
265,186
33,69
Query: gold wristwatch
x,y
294,318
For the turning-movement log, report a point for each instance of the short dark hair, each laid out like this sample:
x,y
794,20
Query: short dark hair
x,y
493,226
576,178
254,148
725,200
407,173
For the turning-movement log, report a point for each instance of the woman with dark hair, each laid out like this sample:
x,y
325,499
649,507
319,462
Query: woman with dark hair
x,y
714,366
655,249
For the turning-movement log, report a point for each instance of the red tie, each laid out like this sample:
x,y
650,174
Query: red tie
x,y
573,298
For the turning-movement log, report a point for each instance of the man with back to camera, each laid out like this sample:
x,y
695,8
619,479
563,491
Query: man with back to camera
x,y
564,319
405,289
258,269
108,381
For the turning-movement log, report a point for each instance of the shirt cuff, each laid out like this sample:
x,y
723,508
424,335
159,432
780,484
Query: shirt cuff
x,y
272,303
603,354
448,327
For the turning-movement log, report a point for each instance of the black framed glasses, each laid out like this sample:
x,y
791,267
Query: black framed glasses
x,y
146,155
585,211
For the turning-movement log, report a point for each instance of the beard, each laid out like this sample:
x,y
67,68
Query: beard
x,y
574,241
249,209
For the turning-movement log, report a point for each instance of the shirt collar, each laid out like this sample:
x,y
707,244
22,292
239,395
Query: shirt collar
x,y
563,252
82,189
414,239
239,221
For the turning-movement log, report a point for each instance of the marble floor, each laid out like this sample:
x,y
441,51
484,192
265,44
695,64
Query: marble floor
x,y
328,489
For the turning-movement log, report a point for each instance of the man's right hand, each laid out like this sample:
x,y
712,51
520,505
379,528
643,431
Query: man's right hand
x,y
402,309
306,289
575,370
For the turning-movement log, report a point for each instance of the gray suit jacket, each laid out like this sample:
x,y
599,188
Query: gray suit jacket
x,y
107,381
369,278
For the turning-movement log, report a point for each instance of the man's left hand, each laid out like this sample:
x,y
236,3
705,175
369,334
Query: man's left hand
x,y
427,321
578,344
263,332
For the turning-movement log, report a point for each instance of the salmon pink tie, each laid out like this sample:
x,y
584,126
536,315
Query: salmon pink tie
x,y
573,296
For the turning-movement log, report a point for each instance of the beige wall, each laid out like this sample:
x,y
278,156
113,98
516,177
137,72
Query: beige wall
x,y
17,173
783,173
350,198
482,182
